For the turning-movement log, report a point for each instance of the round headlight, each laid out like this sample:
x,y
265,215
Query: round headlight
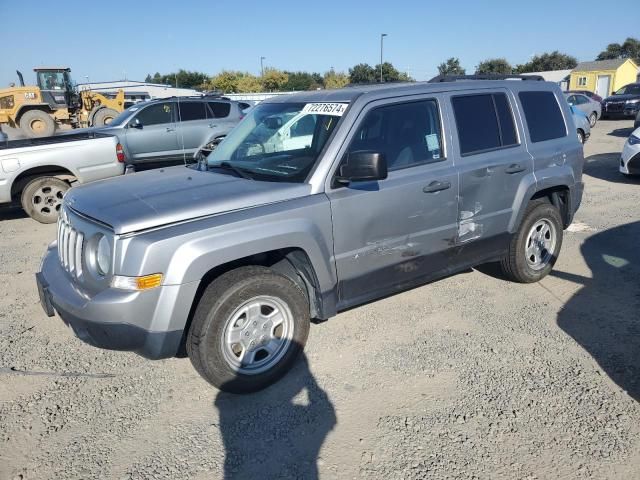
x,y
103,256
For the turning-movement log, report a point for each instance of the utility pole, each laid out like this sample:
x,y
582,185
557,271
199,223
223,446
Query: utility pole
x,y
262,59
382,35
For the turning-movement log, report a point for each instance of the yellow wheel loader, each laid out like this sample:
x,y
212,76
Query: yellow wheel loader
x,y
38,110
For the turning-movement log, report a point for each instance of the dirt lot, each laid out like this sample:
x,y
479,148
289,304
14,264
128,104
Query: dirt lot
x,y
469,377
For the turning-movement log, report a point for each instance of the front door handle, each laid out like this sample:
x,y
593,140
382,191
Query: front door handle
x,y
514,168
436,186
170,129
212,125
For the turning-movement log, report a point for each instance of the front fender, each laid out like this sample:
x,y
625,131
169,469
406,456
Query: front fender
x,y
186,252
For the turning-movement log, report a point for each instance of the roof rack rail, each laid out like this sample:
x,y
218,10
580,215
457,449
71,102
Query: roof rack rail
x,y
485,76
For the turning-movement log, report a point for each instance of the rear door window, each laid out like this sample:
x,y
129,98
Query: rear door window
x,y
156,114
192,111
544,118
484,122
220,109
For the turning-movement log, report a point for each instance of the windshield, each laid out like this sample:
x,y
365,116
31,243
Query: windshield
x,y
629,90
278,141
124,116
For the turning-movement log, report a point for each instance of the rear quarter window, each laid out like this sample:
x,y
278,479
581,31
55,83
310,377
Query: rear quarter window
x,y
543,115
220,109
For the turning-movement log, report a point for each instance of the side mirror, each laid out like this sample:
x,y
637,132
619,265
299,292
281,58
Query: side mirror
x,y
135,123
363,166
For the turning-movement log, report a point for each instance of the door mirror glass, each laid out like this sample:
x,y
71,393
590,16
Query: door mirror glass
x,y
136,123
363,166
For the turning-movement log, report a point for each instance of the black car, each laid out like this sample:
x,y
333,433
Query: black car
x,y
623,103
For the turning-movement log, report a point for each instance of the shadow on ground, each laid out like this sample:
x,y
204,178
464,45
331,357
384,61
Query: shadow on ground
x,y
604,315
277,432
12,213
621,132
605,167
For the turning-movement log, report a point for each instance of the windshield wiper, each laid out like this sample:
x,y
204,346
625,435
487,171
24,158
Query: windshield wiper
x,y
238,171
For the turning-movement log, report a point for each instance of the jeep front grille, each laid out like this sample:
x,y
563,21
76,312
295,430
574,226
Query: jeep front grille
x,y
70,245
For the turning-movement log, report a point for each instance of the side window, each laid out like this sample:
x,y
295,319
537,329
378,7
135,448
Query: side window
x,y
581,99
484,122
156,114
192,111
220,109
408,134
543,115
303,127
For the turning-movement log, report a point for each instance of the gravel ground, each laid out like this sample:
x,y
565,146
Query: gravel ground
x,y
468,377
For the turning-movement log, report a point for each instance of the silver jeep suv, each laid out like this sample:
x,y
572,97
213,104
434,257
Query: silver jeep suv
x,y
316,202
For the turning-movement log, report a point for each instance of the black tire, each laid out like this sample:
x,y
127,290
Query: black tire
x,y
103,117
41,198
580,136
515,265
219,301
593,118
36,124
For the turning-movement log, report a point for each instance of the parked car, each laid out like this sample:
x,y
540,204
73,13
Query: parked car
x,y
589,107
37,172
630,158
583,127
593,96
170,131
623,103
636,124
392,187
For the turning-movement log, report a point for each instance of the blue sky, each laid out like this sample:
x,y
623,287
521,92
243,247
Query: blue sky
x,y
108,40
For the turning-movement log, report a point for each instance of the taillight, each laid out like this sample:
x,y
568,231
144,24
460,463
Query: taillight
x,y
120,153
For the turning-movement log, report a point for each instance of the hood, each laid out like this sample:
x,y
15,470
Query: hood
x,y
621,98
160,197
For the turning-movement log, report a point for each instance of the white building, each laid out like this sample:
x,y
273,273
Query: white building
x,y
561,77
137,91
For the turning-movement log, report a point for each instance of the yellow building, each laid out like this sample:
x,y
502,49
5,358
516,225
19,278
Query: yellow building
x,y
604,76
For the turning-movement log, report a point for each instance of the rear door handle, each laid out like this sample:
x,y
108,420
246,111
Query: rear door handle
x,y
212,125
514,168
169,129
436,186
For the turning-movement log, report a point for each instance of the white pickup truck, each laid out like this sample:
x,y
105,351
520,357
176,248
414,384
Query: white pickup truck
x,y
37,172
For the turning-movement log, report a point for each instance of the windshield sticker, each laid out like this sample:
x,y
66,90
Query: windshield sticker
x,y
335,109
433,142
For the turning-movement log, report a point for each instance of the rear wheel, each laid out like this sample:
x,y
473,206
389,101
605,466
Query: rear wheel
x,y
593,118
580,136
535,247
42,198
36,123
103,117
248,329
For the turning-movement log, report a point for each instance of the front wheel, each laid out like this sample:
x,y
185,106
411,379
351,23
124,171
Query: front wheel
x,y
535,247
593,118
580,136
248,329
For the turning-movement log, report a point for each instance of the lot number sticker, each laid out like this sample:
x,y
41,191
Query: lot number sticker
x,y
335,109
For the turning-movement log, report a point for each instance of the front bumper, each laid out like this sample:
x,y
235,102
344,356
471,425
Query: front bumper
x,y
630,159
149,323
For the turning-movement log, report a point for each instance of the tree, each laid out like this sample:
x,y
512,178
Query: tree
x,y
274,79
226,81
451,67
303,81
548,61
629,49
333,79
494,65
248,83
362,73
148,78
